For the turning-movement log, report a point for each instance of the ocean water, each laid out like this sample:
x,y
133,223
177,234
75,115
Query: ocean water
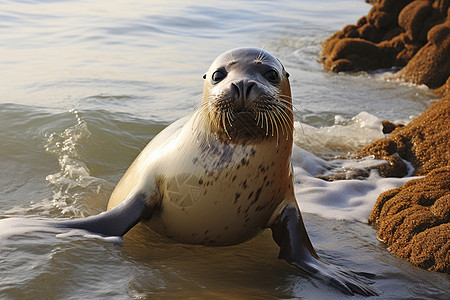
x,y
85,85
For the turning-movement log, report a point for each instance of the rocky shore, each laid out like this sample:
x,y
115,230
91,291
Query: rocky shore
x,y
413,37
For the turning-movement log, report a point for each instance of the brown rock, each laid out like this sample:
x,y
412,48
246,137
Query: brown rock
x,y
346,55
410,34
424,142
414,220
431,65
395,167
413,19
444,89
388,126
430,249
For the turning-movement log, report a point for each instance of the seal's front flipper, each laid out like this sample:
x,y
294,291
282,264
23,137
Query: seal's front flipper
x,y
116,221
295,247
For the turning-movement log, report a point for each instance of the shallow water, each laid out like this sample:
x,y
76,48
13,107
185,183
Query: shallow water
x,y
86,85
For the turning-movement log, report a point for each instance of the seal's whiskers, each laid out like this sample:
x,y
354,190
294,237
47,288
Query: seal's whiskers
x,y
261,58
273,117
223,117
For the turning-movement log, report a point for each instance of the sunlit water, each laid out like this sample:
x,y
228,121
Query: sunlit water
x,y
86,84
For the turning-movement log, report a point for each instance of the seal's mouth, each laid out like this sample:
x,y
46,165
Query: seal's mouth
x,y
244,125
243,113
245,117
264,117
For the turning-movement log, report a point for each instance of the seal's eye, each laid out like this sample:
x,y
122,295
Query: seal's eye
x,y
272,76
218,76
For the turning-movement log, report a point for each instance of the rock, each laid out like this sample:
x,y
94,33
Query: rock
x,y
355,54
414,219
413,35
444,89
388,126
413,19
431,65
424,142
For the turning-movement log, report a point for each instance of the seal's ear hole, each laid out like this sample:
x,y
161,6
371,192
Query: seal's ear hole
x,y
204,76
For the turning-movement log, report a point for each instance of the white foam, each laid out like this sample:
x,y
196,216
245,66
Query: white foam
x,y
346,135
73,183
351,199
90,235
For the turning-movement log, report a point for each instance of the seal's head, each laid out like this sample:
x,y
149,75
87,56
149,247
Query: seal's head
x,y
247,96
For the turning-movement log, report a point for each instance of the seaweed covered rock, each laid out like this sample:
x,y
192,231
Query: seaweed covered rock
x,y
424,142
433,59
413,35
414,220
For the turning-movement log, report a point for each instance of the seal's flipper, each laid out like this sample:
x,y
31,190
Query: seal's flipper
x,y
289,233
116,221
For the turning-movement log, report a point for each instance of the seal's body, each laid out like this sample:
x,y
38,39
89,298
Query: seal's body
x,y
223,174
211,192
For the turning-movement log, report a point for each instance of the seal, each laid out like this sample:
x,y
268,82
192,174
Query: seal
x,y
223,174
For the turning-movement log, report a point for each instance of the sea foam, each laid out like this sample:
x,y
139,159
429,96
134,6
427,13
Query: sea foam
x,y
350,199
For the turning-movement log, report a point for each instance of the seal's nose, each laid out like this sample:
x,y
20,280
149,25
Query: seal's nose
x,y
242,90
